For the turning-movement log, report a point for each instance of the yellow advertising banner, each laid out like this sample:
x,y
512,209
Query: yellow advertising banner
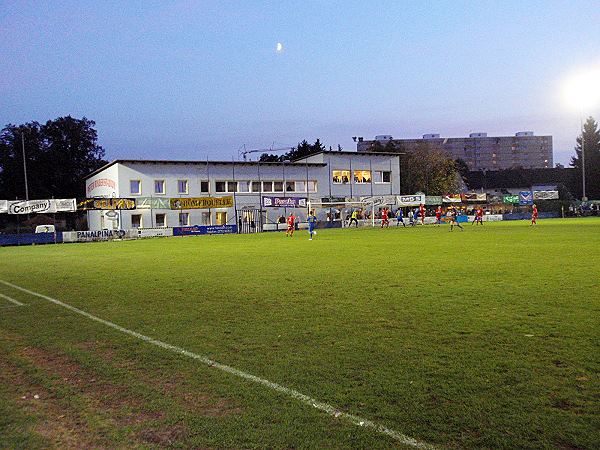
x,y
202,202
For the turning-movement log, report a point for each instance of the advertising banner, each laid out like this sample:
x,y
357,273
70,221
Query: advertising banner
x,y
284,202
3,206
378,200
107,203
545,195
154,232
510,199
433,200
202,229
201,202
525,198
152,203
410,200
42,206
474,197
451,198
91,236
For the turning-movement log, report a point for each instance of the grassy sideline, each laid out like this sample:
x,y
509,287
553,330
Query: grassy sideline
x,y
484,338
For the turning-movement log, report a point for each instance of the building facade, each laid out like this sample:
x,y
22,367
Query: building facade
x,y
319,178
480,152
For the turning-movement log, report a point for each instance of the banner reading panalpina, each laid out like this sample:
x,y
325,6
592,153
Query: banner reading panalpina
x,y
202,202
284,202
42,206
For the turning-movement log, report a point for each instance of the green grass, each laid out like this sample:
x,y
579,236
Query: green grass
x,y
484,338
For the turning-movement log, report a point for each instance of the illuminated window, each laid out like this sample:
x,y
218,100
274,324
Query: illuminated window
x,y
340,176
362,176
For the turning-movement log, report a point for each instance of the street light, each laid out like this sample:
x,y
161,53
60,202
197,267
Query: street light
x,y
582,92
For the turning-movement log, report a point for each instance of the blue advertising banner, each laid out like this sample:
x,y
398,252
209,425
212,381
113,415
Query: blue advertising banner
x,y
284,202
30,238
525,198
195,230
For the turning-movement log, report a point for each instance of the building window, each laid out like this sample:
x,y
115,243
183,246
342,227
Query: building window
x,y
220,186
204,187
243,186
255,185
300,186
340,176
182,186
362,176
205,218
161,220
184,219
312,186
232,186
221,218
383,176
136,221
277,186
159,186
135,187
290,186
267,186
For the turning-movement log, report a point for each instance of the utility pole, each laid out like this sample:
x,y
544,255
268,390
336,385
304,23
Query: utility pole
x,y
24,166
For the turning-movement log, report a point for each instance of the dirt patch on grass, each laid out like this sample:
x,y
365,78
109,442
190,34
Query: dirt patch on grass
x,y
171,384
165,436
60,426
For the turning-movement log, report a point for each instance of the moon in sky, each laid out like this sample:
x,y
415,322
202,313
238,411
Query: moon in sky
x,y
279,47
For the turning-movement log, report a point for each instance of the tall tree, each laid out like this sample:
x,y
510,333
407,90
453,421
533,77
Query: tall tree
x,y
590,139
429,170
59,154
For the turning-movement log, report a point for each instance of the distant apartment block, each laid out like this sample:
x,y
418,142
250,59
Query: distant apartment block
x,y
479,151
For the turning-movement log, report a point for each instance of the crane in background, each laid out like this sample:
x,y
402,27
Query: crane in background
x,y
243,152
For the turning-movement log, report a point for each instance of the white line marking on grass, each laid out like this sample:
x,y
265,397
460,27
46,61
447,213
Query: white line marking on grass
x,y
12,300
331,410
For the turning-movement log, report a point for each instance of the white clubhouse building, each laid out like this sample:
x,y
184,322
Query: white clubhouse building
x,y
325,177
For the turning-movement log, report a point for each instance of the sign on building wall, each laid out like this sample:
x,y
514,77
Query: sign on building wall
x,y
107,203
201,202
284,202
410,200
41,206
152,203
101,182
3,206
431,200
379,200
545,195
525,198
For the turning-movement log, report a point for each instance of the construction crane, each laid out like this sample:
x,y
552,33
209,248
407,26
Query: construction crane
x,y
243,152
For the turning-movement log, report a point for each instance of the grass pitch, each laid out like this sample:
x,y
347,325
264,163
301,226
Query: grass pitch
x,y
484,338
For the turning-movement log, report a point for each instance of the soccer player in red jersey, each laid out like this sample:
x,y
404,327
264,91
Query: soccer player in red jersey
x,y
291,221
478,216
422,213
384,218
438,216
534,215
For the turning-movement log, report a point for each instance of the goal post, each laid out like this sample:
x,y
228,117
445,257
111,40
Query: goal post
x,y
344,207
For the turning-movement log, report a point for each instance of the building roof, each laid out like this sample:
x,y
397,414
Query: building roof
x,y
205,162
345,152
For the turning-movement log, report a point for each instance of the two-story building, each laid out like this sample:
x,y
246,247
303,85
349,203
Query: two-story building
x,y
320,178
